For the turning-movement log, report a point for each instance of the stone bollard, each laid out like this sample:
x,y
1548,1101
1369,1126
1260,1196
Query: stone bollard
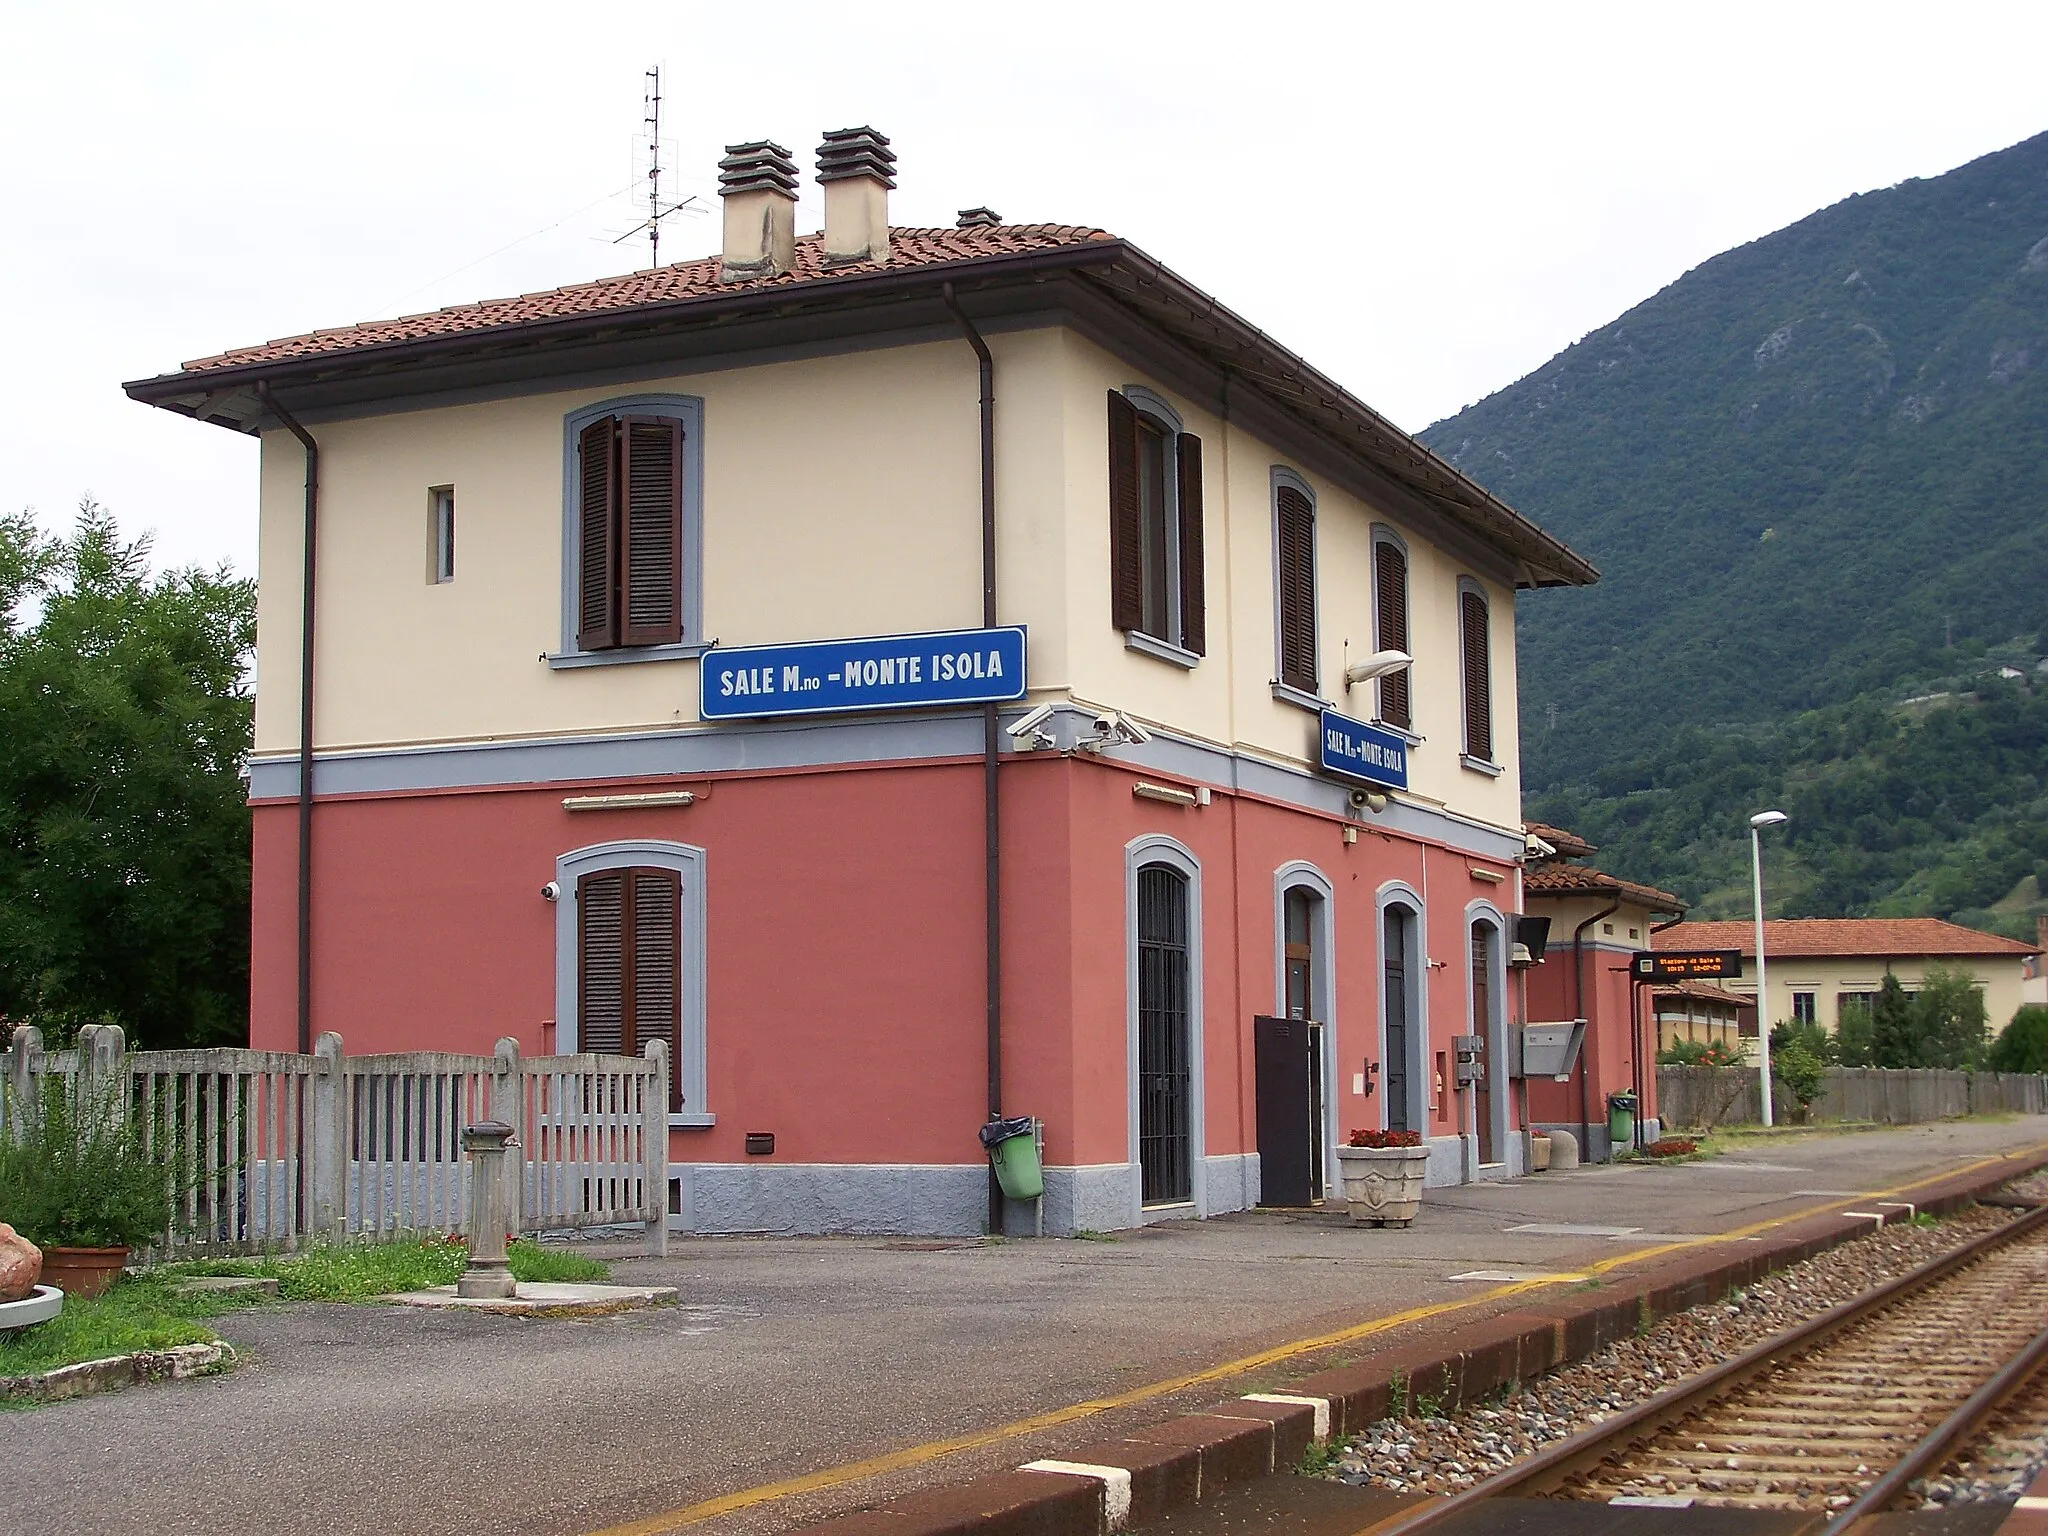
x,y
488,1278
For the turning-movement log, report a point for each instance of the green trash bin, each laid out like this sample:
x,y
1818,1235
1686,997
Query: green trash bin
x,y
1012,1147
1621,1121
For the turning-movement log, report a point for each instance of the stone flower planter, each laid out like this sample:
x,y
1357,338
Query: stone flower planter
x,y
39,1306
1383,1185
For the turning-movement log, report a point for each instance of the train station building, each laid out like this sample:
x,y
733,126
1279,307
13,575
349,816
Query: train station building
x,y
918,673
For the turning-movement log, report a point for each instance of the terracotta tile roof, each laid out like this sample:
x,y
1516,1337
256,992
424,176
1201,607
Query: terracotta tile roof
x,y
1576,880
1702,991
1846,936
1569,845
661,285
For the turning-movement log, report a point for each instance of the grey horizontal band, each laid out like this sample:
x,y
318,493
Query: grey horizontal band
x,y
762,746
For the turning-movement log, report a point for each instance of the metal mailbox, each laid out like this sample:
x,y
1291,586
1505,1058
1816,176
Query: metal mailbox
x,y
1548,1050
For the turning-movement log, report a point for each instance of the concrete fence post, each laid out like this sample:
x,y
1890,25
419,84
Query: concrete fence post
x,y
508,1107
489,1276
24,1063
324,1141
654,1146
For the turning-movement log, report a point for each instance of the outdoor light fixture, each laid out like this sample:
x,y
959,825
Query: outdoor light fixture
x,y
1378,664
1757,823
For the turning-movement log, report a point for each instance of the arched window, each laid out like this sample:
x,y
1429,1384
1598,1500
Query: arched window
x,y
1155,528
1164,932
1475,666
629,959
1390,624
632,530
1404,1026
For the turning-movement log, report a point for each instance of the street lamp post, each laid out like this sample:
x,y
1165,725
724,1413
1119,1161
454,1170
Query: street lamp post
x,y
1757,823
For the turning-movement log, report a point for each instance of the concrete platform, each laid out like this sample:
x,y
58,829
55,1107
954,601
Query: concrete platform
x,y
540,1298
801,1378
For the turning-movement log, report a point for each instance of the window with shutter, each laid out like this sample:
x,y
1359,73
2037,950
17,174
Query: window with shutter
x,y
633,532
1390,597
1295,550
1157,575
628,965
1472,624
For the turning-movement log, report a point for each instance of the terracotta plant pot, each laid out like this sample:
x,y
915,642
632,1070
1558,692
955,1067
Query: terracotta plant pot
x,y
85,1272
1383,1185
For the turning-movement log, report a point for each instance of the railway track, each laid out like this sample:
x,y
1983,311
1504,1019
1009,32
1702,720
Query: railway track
x,y
1835,1417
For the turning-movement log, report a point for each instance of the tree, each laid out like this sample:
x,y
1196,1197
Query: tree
x,y
1801,1071
1855,1044
1948,1019
1894,1041
2022,1046
125,707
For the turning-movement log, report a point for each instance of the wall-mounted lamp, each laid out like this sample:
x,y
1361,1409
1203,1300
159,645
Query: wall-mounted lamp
x,y
1378,664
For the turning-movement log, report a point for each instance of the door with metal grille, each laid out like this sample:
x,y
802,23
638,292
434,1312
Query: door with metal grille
x,y
1164,1047
1394,1066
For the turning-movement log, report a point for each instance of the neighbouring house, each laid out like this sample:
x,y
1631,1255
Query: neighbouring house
x,y
1700,1013
2033,973
917,674
1598,924
1816,966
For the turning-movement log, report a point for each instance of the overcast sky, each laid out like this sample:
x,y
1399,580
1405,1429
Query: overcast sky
x,y
1428,200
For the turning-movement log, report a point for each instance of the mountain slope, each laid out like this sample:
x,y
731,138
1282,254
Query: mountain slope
x,y
1814,472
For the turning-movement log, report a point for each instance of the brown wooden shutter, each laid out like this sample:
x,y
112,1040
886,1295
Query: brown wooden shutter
x,y
651,531
1390,578
656,970
1297,540
602,962
1478,676
1194,618
1126,559
597,576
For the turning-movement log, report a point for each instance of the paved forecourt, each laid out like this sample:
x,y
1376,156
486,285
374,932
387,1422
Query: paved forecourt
x,y
798,1378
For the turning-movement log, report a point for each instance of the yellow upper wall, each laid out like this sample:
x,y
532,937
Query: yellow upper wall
x,y
841,497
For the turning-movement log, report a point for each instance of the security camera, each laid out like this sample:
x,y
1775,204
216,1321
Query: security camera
x,y
552,891
1116,726
1028,725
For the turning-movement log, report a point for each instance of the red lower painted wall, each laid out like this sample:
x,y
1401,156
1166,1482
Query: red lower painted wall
x,y
845,944
1610,1051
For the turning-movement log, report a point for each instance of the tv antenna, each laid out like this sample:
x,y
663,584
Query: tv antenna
x,y
650,107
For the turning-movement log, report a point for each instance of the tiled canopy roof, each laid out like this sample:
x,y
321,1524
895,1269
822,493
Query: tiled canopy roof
x,y
660,285
1577,880
1845,936
1703,992
1569,845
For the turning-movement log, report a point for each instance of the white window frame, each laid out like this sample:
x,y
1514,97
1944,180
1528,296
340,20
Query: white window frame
x,y
1168,420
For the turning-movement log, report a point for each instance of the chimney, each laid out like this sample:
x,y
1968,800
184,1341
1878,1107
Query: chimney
x,y
978,218
758,185
856,168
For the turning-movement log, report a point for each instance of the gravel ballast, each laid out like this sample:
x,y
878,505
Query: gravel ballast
x,y
1427,1452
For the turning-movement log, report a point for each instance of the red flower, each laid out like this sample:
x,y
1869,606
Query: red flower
x,y
1384,1139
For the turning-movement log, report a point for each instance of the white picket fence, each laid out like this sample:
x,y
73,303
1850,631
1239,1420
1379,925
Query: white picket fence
x,y
278,1148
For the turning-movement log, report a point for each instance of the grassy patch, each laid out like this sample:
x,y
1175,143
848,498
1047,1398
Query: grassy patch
x,y
361,1271
140,1312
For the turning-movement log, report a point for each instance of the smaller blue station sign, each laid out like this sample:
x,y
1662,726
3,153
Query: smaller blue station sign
x,y
1354,750
960,666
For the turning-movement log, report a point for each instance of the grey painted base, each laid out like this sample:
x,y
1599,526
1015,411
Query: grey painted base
x,y
939,1200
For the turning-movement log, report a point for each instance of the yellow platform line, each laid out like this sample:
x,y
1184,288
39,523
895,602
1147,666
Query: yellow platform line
x,y
1053,1418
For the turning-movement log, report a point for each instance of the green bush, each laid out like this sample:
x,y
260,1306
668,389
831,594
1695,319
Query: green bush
x,y
1804,1033
2022,1046
1801,1072
80,1175
1697,1053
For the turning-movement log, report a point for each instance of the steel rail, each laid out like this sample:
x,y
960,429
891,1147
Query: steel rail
x,y
1943,1439
1552,1468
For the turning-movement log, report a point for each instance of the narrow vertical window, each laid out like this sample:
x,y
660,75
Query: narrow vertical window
x,y
1294,537
1478,670
441,530
1390,602
627,965
1165,1049
1394,973
1155,527
629,532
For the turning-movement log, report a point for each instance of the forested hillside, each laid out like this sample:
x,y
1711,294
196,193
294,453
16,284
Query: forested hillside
x,y
1814,474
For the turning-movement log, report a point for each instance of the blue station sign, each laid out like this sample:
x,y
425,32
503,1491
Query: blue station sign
x,y
957,666
1353,749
